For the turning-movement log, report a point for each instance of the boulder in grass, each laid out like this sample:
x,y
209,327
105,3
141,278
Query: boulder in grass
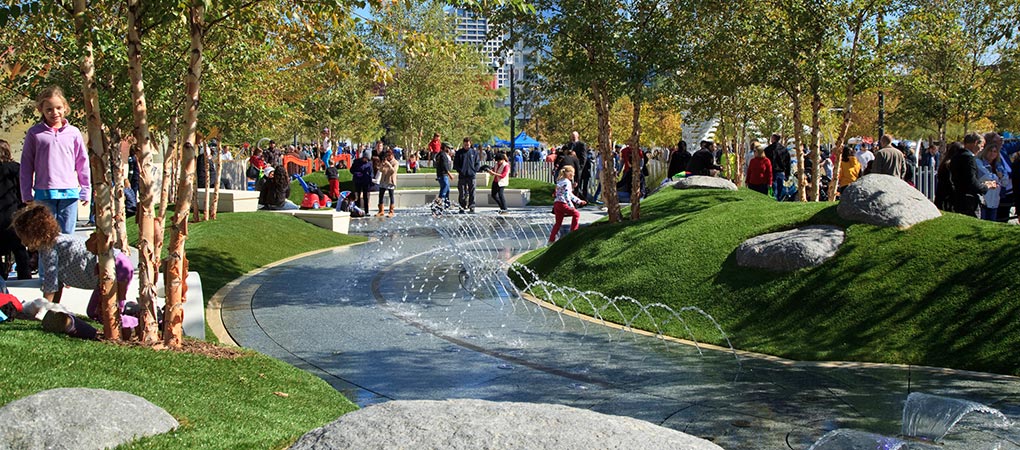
x,y
887,201
704,182
472,424
79,418
791,250
666,184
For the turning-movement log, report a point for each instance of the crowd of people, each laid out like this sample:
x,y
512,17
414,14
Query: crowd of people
x,y
975,177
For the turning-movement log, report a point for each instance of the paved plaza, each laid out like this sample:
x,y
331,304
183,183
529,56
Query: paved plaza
x,y
424,311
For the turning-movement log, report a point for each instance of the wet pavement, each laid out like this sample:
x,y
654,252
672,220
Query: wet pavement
x,y
425,311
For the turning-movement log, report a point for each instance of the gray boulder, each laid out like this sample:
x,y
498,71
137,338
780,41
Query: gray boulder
x,y
79,418
791,250
703,182
887,201
474,424
666,184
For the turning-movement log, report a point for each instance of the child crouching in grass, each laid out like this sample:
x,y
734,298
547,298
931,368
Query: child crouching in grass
x,y
69,260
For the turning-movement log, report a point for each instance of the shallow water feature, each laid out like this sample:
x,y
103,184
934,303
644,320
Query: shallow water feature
x,y
427,310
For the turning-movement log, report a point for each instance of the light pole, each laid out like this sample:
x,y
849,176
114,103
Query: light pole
x,y
513,109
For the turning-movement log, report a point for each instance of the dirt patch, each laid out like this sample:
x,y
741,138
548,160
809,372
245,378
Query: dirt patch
x,y
195,347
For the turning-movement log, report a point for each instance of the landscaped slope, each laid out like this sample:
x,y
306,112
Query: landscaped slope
x,y
943,293
251,401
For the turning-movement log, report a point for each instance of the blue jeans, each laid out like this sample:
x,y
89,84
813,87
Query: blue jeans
x,y
444,187
66,212
778,180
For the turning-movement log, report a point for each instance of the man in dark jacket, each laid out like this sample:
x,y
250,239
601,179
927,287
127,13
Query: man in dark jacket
x,y
678,160
966,178
584,168
467,164
703,161
780,159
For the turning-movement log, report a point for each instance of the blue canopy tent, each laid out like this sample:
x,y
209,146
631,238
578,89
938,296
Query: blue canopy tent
x,y
524,141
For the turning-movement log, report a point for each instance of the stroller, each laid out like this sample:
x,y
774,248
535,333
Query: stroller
x,y
314,198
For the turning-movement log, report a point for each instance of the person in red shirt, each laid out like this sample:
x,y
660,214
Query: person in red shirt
x,y
759,171
435,146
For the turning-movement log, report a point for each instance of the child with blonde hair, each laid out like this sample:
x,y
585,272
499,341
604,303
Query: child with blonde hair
x,y
55,162
565,201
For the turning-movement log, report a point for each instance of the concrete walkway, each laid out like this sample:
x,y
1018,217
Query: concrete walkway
x,y
424,312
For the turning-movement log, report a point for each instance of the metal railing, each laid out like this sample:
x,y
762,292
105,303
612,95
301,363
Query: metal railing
x,y
924,181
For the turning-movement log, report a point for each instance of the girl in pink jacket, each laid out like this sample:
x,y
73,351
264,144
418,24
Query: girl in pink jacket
x,y
54,161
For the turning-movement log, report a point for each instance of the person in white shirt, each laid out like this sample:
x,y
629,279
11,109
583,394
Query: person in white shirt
x,y
864,156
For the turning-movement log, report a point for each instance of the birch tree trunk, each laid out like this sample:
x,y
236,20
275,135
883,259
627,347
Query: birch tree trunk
x,y
99,164
176,272
148,258
851,89
170,157
600,96
120,212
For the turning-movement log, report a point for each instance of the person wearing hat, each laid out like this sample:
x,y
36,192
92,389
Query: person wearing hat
x,y
276,192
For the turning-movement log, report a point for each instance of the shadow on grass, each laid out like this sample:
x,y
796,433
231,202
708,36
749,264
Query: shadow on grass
x,y
892,296
215,267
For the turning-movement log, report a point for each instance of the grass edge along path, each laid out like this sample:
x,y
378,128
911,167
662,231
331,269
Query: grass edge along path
x,y
943,293
252,401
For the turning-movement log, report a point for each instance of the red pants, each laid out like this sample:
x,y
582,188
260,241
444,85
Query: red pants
x,y
562,209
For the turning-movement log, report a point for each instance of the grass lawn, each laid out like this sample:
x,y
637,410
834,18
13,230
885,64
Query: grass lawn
x,y
237,243
220,403
943,293
541,192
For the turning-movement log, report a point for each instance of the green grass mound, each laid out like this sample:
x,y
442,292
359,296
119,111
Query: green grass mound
x,y
250,401
944,293
234,244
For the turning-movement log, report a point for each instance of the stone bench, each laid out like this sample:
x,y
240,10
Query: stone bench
x,y
336,221
78,299
428,180
409,198
231,200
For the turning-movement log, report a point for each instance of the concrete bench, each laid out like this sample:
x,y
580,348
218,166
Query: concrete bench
x,y
409,198
428,180
231,200
77,300
336,221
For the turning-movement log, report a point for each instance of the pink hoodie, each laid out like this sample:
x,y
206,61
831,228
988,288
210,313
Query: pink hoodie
x,y
57,159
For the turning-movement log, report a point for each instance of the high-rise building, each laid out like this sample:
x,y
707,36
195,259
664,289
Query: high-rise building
x,y
474,30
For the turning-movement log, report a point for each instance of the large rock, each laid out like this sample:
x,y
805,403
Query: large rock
x,y
703,182
666,184
79,418
791,250
475,424
885,200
